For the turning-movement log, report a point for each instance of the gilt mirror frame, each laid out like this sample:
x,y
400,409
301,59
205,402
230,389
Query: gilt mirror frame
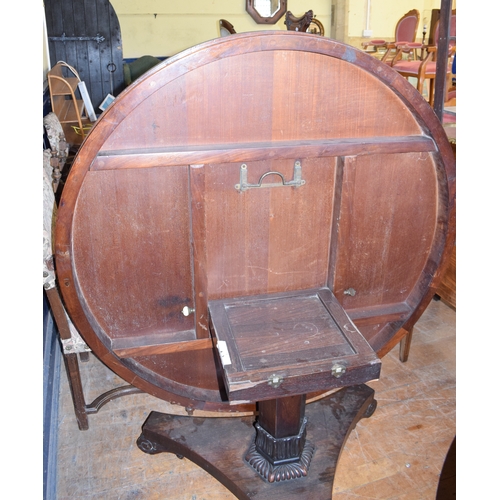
x,y
259,19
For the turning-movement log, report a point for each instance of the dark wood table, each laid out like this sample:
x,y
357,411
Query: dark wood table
x,y
253,223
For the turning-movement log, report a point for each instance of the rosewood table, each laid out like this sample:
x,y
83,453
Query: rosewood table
x,y
250,227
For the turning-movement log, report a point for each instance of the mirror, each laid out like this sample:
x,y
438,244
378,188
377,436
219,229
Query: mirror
x,y
266,11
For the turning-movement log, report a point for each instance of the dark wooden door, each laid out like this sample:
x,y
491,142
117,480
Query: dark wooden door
x,y
86,34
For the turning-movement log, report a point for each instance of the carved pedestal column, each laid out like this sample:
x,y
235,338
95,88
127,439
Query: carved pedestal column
x,y
280,451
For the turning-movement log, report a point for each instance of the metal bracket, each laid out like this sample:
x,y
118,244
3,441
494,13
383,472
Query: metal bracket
x,y
49,278
74,345
297,180
63,38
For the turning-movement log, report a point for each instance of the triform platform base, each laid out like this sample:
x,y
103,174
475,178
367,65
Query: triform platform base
x,y
219,445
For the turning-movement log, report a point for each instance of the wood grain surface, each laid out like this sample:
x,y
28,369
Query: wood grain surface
x,y
151,221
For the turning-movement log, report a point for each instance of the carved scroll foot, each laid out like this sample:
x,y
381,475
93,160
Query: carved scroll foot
x,y
150,447
283,472
280,459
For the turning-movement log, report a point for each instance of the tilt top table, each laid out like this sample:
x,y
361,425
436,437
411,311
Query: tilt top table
x,y
252,224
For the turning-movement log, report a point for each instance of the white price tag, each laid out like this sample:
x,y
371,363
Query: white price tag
x,y
223,352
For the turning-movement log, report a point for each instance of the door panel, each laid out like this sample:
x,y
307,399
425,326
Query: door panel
x,y
86,34
147,287
268,239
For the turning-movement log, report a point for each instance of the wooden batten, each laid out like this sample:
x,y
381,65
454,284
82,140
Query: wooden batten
x,y
147,350
379,314
195,154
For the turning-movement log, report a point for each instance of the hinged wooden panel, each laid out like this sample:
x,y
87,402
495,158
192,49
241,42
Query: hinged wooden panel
x,y
383,241
291,343
132,252
268,239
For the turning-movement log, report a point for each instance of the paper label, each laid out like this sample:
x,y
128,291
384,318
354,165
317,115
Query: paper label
x,y
223,352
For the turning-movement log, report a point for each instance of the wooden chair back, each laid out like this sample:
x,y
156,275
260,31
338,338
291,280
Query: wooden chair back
x,y
226,28
434,28
301,23
406,28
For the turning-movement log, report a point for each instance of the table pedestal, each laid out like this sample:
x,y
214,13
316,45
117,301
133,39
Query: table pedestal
x,y
219,445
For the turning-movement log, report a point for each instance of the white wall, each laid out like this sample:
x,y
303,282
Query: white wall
x,y
180,25
383,16
164,27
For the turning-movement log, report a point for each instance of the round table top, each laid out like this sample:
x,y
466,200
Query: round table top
x,y
258,163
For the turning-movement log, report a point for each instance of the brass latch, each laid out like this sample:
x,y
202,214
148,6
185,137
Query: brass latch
x,y
275,380
338,370
297,180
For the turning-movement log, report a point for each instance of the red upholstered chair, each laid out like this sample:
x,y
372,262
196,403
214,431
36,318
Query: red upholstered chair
x,y
425,69
406,31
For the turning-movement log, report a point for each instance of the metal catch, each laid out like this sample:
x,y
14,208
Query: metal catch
x,y
275,380
338,370
297,180
74,345
187,310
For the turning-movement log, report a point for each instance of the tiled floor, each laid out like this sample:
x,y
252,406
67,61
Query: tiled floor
x,y
398,453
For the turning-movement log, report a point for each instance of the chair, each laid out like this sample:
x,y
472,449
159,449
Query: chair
x,y
316,27
72,112
71,341
133,70
425,69
298,23
406,31
435,16
226,28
